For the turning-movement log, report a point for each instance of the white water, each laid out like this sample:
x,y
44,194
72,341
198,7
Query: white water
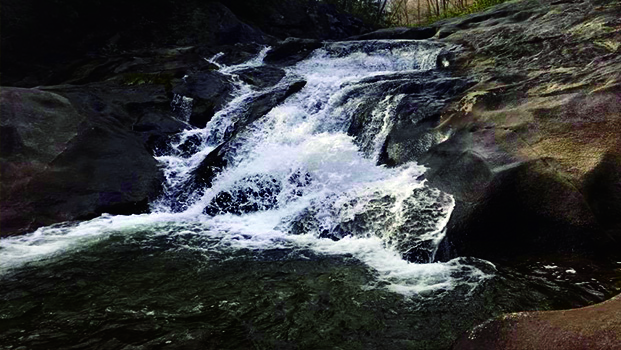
x,y
303,138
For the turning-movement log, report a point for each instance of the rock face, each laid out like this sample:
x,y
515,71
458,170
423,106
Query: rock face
x,y
72,156
532,156
69,30
592,327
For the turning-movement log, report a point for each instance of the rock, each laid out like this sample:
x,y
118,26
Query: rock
x,y
530,135
592,327
292,51
217,159
423,96
69,31
259,106
416,33
209,92
602,188
520,214
262,77
74,152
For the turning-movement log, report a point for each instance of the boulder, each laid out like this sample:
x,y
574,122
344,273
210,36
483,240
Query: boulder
x,y
417,111
262,77
602,188
530,149
259,106
75,152
209,91
251,194
69,30
592,327
292,51
217,159
524,210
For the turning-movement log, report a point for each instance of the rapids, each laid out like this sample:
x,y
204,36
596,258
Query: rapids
x,y
297,169
296,238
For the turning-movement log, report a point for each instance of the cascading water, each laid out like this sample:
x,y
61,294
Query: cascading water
x,y
295,178
276,229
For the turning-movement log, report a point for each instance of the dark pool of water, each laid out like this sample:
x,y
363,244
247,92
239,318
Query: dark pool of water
x,y
144,293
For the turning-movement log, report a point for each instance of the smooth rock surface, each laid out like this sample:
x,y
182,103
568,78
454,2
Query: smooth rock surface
x,y
74,152
547,95
592,327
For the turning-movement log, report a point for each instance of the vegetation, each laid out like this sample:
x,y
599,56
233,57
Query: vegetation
x,y
410,12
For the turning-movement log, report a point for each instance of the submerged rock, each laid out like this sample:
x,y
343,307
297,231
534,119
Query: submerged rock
x,y
253,193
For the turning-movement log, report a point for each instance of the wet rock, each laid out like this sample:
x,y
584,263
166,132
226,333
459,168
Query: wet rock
x,y
602,188
72,30
416,33
219,158
292,51
540,114
209,92
262,77
417,102
413,232
259,105
519,213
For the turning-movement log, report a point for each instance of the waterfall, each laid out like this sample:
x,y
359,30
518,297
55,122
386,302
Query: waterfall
x,y
298,176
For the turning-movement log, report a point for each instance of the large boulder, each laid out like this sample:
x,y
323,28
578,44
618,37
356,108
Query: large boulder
x,y
531,149
262,77
291,51
75,152
602,188
202,176
522,211
592,327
